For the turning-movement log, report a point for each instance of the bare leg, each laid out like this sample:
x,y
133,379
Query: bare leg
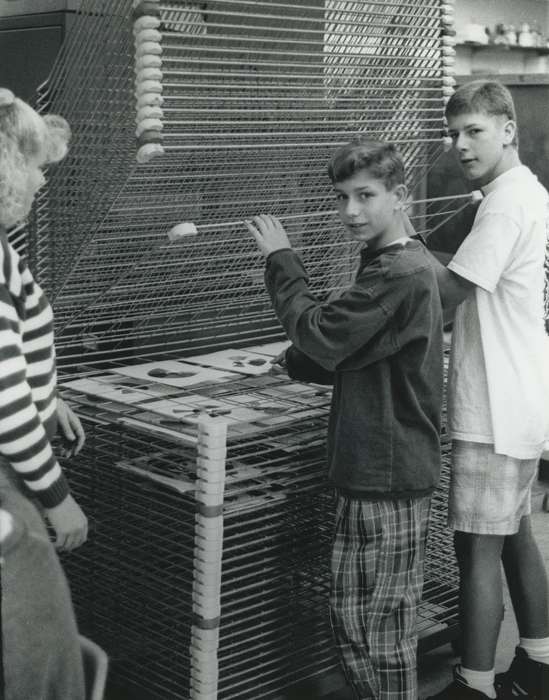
x,y
481,597
527,581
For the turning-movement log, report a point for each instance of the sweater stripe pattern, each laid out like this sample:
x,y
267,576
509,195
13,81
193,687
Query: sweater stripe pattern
x,y
27,379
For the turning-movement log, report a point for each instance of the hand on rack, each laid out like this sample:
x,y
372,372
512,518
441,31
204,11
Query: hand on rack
x,y
71,429
269,233
279,363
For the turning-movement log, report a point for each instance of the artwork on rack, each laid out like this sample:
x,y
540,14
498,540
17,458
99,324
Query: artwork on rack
x,y
309,395
157,423
178,483
242,361
193,408
119,389
174,373
261,402
313,434
274,411
270,349
107,388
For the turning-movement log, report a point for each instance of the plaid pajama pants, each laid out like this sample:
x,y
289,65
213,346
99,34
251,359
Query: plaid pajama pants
x,y
377,580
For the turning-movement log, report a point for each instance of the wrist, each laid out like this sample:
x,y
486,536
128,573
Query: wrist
x,y
274,252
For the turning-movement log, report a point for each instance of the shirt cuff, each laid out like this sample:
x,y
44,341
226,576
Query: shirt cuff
x,y
55,494
269,257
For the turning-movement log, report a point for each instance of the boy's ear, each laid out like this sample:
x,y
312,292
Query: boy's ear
x,y
400,193
509,131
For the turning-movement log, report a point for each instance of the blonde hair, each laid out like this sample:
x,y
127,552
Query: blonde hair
x,y
25,136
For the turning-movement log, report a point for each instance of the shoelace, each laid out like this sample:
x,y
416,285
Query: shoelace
x,y
512,689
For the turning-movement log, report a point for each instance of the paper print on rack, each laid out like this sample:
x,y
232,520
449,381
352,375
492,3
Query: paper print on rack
x,y
264,411
105,388
155,422
310,395
270,349
261,402
194,408
174,373
176,483
241,361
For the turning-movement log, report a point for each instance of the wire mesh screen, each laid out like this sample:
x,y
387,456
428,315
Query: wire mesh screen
x,y
227,600
146,577
189,117
247,101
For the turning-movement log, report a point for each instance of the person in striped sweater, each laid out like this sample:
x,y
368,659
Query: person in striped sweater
x,y
39,644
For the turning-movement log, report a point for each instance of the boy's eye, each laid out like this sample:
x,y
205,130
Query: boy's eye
x,y
365,195
340,196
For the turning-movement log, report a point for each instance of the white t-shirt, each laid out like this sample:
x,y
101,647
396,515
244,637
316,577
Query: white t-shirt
x,y
498,388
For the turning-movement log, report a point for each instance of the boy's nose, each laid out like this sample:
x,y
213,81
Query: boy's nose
x,y
460,142
352,208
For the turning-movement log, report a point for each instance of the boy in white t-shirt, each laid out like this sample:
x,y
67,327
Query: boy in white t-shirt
x,y
498,399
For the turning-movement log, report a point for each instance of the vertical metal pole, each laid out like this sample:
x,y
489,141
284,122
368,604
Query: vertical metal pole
x,y
208,554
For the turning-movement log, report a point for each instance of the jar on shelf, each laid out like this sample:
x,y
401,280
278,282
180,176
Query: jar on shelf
x,y
525,36
500,35
511,34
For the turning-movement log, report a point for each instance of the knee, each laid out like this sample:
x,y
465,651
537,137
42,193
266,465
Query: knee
x,y
465,546
484,550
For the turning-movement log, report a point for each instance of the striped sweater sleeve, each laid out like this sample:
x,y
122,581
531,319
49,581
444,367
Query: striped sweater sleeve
x,y
27,380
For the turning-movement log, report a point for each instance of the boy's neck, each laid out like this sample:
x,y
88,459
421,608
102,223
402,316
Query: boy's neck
x,y
510,160
390,236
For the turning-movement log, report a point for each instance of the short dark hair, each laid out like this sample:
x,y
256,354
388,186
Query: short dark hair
x,y
382,160
487,96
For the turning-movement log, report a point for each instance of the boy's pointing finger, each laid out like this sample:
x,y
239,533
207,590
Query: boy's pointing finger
x,y
252,229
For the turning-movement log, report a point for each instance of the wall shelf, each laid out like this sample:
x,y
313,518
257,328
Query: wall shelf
x,y
473,58
509,79
477,46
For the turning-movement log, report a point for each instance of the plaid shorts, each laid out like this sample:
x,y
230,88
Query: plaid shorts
x,y
377,580
489,493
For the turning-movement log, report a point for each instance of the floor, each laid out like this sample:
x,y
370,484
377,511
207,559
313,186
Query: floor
x,y
435,667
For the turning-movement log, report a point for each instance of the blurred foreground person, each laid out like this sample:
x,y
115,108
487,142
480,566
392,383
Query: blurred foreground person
x,y
41,657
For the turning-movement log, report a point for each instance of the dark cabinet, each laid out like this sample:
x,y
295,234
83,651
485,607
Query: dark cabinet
x,y
28,47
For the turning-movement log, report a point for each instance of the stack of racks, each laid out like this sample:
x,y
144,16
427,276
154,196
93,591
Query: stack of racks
x,y
207,571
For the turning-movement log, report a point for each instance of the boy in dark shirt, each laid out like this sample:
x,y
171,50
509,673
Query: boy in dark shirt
x,y
380,344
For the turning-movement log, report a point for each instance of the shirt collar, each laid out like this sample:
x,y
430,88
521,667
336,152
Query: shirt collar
x,y
366,254
515,173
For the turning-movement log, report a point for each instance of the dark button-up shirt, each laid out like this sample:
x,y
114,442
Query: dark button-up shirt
x,y
380,344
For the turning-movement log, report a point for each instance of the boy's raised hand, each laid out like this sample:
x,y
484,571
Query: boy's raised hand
x,y
269,233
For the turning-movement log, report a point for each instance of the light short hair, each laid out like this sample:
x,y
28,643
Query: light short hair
x,y
486,96
24,135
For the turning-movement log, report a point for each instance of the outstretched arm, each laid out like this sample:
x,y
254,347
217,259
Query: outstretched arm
x,y
453,288
359,321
